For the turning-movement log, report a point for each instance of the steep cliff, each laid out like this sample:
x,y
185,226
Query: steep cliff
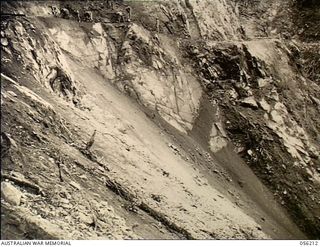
x,y
161,120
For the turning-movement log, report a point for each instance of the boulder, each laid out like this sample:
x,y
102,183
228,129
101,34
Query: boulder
x,y
4,42
86,219
249,102
10,193
262,82
276,117
264,105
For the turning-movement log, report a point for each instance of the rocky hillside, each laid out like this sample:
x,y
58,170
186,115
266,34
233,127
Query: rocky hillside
x,y
160,119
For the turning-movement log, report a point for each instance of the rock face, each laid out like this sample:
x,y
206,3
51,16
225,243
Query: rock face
x,y
205,116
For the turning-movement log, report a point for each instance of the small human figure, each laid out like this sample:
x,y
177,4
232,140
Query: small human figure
x,y
158,25
110,4
88,16
52,76
120,16
78,15
54,11
156,39
128,10
51,8
65,13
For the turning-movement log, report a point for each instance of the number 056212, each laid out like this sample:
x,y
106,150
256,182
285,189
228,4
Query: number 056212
x,y
309,243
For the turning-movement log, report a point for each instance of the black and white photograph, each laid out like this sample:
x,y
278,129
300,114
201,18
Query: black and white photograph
x,y
160,120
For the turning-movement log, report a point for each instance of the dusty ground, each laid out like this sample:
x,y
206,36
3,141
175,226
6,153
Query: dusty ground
x,y
199,134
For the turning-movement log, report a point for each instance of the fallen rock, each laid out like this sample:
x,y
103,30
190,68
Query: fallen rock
x,y
83,176
10,193
64,201
217,143
276,117
249,102
157,198
75,185
274,94
4,42
264,105
86,219
12,93
250,152
17,175
263,82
